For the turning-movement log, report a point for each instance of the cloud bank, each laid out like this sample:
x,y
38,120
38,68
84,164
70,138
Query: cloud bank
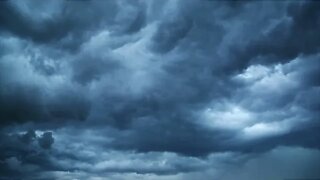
x,y
175,89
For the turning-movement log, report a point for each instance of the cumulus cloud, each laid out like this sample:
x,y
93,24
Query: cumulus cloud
x,y
158,89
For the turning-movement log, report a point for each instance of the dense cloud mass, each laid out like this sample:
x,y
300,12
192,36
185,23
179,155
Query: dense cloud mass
x,y
159,89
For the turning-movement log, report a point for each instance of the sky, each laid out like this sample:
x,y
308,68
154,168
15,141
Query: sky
x,y
159,90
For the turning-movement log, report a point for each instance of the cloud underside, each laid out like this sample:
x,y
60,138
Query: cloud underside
x,y
159,89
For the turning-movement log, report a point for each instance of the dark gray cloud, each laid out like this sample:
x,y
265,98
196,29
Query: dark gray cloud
x,y
46,140
169,34
157,89
21,154
20,104
62,24
292,35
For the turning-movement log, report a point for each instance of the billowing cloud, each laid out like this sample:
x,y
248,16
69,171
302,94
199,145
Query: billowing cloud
x,y
158,89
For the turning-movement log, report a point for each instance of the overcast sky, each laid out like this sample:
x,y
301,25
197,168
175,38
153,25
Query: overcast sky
x,y
159,89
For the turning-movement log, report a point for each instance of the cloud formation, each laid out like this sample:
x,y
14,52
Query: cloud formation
x,y
159,89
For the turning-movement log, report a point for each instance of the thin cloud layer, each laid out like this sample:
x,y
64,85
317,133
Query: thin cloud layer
x,y
159,89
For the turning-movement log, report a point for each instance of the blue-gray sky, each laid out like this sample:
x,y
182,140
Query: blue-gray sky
x,y
159,89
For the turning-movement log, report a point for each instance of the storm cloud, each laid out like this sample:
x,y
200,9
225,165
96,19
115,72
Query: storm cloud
x,y
175,89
